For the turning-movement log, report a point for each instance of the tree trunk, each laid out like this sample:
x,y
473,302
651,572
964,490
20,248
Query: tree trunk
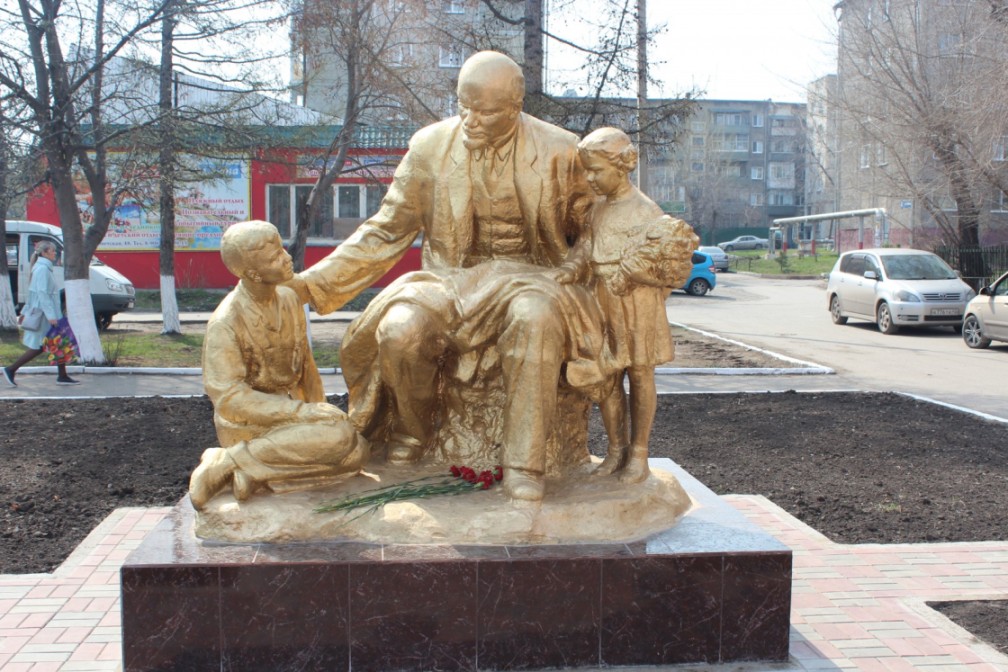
x,y
8,316
166,167
169,305
642,94
532,66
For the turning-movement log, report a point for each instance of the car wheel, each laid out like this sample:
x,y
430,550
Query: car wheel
x,y
103,320
973,334
698,287
729,248
834,309
883,318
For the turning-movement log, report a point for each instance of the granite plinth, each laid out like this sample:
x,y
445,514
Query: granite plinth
x,y
713,588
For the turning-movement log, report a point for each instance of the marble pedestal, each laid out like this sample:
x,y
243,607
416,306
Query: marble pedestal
x,y
713,588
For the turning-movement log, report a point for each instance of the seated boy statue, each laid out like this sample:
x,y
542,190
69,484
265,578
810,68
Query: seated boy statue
x,y
270,412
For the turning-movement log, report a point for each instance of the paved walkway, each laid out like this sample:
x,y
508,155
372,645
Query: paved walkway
x,y
853,607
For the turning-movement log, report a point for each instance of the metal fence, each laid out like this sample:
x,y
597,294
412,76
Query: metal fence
x,y
995,260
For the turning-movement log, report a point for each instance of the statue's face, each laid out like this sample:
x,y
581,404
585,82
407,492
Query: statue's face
x,y
271,262
603,177
487,111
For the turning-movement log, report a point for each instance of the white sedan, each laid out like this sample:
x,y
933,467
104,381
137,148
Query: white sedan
x,y
986,317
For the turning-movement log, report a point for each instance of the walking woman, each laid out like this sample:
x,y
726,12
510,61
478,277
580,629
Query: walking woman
x,y
44,295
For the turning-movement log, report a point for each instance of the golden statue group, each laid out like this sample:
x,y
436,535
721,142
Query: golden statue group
x,y
545,273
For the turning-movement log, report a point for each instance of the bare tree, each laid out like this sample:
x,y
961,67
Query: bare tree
x,y
921,110
66,97
217,28
372,46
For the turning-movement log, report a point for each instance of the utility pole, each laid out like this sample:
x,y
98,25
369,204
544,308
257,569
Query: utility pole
x,y
642,73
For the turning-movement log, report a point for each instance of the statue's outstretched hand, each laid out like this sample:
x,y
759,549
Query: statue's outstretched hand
x,y
300,287
562,275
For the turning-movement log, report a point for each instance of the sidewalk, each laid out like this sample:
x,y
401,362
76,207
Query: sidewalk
x,y
854,607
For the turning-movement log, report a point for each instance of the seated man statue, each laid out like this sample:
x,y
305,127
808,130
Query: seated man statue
x,y
497,195
270,412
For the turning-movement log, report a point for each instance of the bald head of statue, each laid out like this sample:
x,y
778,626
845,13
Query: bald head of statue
x,y
491,90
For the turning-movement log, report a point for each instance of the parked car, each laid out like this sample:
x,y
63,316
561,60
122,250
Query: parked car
x,y
896,288
987,315
703,277
717,255
745,243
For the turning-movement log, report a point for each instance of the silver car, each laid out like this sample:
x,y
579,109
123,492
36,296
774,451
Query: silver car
x,y
987,315
896,288
717,255
745,243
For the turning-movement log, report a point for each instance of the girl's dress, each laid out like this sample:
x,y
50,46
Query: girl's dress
x,y
43,294
637,330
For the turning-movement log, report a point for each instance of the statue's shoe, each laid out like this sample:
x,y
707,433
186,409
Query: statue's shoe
x,y
524,485
213,473
404,449
242,486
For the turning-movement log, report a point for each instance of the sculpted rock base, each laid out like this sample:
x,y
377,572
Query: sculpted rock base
x,y
579,508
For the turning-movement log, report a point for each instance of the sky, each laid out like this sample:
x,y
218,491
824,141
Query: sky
x,y
742,49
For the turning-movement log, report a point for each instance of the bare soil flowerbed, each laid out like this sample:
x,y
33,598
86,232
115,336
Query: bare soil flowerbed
x,y
880,468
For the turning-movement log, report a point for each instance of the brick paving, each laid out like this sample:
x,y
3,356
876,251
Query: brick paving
x,y
854,607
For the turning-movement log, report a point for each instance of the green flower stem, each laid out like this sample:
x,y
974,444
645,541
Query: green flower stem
x,y
420,488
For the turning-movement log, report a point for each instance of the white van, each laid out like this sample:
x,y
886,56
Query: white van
x,y
111,292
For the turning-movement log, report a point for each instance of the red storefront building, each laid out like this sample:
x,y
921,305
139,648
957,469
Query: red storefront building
x,y
269,186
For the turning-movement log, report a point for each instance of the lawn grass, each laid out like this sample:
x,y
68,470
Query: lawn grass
x,y
155,350
755,261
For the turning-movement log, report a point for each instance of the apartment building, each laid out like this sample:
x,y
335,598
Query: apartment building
x,y
738,165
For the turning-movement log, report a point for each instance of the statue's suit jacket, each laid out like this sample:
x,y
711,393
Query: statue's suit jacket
x,y
431,193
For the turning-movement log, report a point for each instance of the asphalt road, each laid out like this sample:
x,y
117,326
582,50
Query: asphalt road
x,y
790,317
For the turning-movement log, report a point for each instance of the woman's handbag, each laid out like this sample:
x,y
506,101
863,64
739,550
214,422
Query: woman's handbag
x,y
32,319
60,344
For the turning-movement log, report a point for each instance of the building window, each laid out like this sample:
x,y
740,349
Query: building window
x,y
729,119
373,198
450,57
947,203
866,154
453,6
400,55
880,155
285,203
697,126
757,172
756,198
698,141
999,148
781,171
1000,201
757,147
697,167
734,142
781,198
757,121
349,202
948,43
